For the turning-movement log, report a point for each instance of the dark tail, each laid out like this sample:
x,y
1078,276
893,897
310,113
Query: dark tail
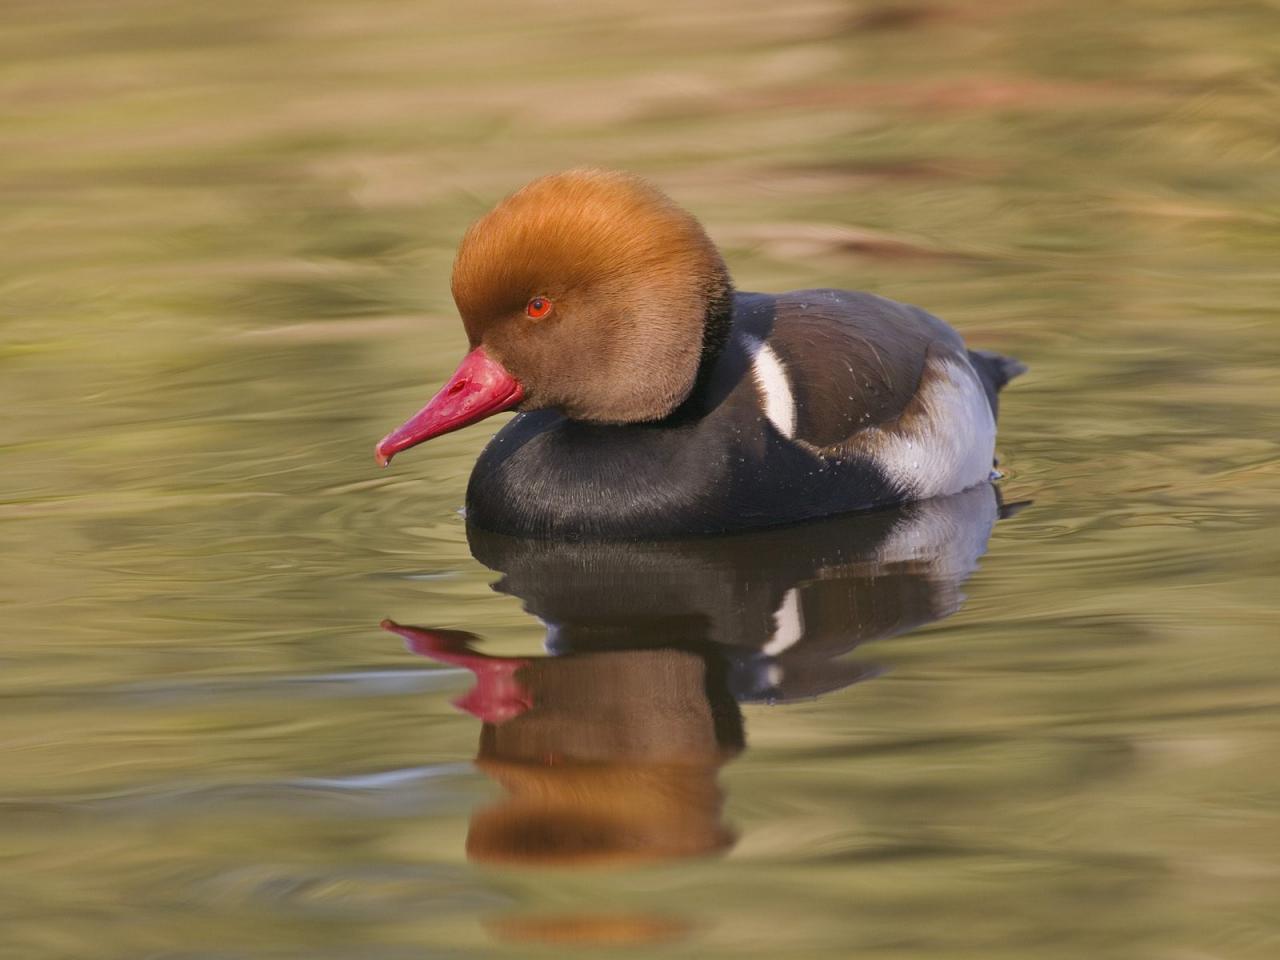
x,y
995,371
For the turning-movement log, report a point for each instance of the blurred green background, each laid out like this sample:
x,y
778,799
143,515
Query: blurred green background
x,y
227,232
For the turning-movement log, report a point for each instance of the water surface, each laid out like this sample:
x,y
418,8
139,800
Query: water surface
x,y
227,235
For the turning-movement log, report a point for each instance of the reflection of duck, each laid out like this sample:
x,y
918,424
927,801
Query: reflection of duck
x,y
609,749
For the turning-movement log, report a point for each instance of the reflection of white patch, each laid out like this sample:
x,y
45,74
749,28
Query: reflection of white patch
x,y
551,643
775,390
788,625
949,533
773,676
946,441
946,536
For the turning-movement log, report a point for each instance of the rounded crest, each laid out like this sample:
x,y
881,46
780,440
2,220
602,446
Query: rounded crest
x,y
633,279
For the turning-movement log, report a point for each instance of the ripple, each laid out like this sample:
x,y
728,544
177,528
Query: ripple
x,y
432,788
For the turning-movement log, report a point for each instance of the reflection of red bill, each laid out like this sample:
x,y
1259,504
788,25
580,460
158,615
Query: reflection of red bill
x,y
479,388
497,696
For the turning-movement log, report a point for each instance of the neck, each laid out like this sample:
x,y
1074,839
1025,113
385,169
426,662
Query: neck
x,y
715,327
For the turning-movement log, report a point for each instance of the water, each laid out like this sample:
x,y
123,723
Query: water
x,y
227,234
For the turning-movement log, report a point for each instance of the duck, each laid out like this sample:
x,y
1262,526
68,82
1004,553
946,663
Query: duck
x,y
653,400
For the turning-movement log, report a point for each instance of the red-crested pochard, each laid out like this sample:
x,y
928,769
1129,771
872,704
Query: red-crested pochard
x,y
655,401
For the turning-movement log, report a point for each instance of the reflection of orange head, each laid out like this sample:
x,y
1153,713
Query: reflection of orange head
x,y
599,814
616,761
614,929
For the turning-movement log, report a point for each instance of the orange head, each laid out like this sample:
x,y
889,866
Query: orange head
x,y
587,291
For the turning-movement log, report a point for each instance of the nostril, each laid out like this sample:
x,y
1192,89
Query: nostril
x,y
457,387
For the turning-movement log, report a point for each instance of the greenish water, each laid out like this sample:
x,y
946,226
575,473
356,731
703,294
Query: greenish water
x,y
227,233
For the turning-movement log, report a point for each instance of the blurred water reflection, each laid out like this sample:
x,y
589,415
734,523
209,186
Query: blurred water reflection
x,y
608,749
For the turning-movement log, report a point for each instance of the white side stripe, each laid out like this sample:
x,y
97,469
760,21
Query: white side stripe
x,y
771,377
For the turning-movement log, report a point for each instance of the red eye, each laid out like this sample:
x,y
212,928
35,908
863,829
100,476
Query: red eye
x,y
538,307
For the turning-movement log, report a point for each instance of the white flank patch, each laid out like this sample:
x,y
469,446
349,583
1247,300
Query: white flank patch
x,y
950,446
775,390
788,625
